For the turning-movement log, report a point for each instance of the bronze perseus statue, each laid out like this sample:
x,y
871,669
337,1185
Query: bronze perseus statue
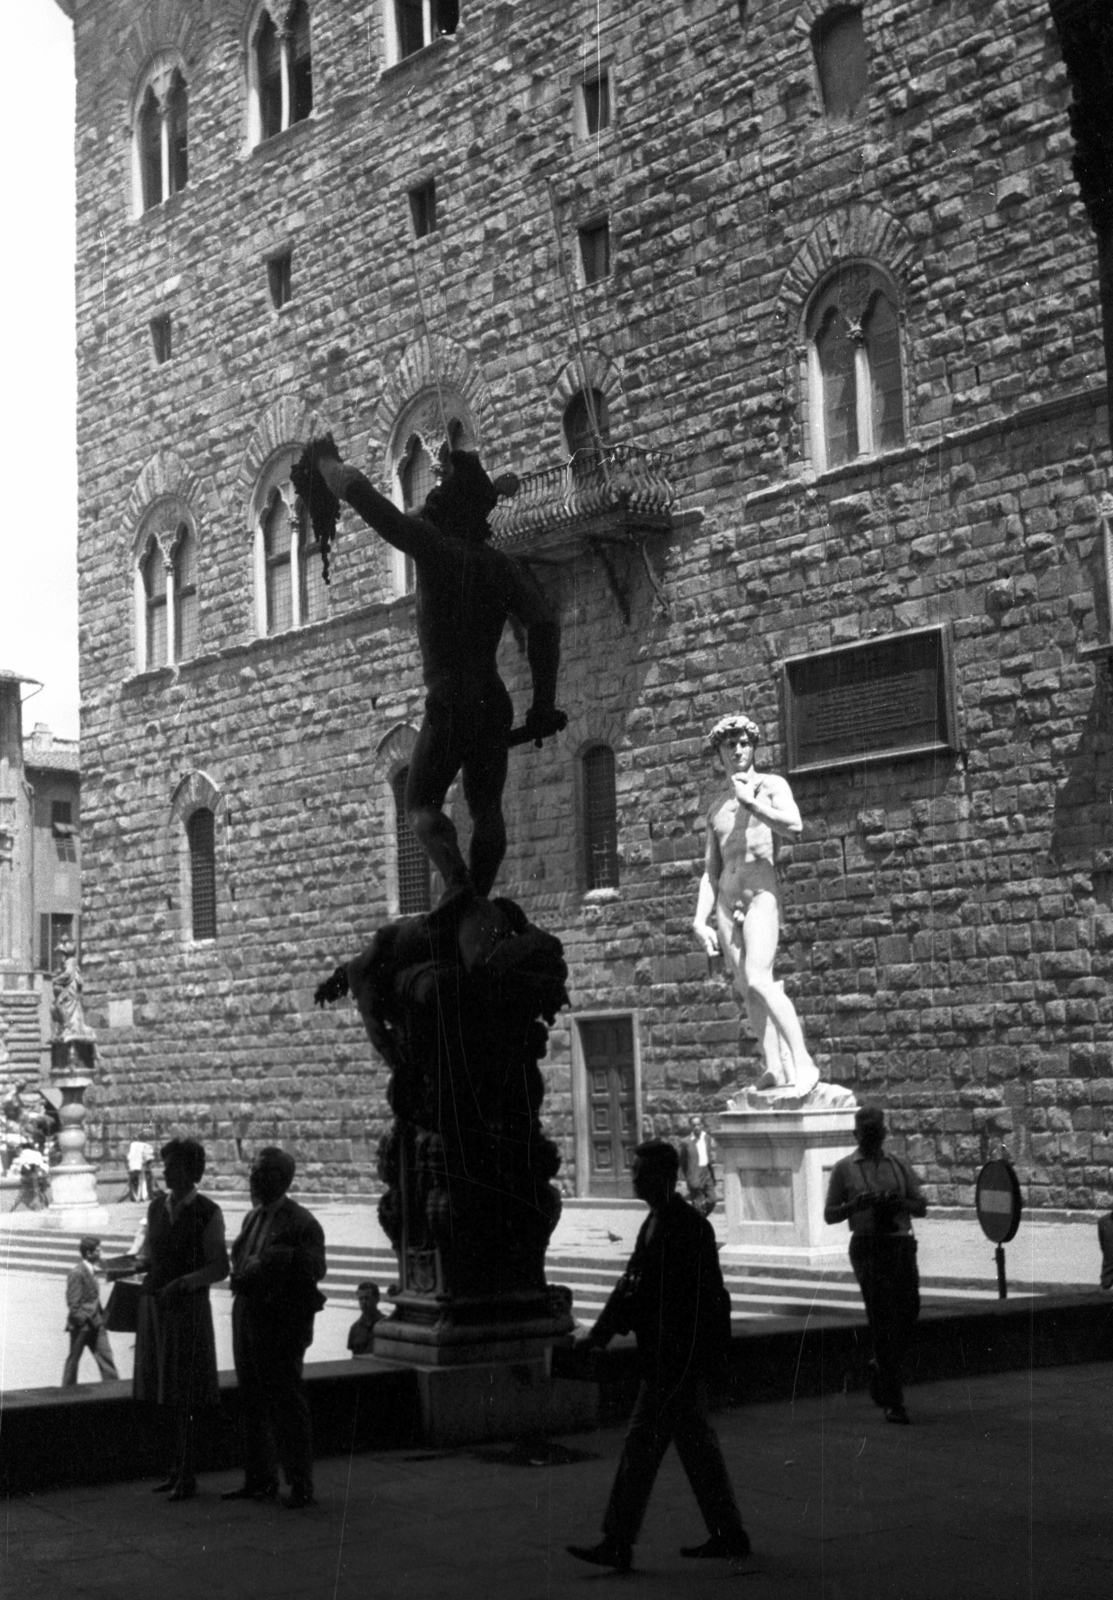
x,y
466,593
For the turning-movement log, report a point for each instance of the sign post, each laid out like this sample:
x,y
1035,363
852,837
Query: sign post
x,y
998,1203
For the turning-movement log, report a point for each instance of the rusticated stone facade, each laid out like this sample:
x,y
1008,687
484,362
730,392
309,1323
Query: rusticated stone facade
x,y
949,918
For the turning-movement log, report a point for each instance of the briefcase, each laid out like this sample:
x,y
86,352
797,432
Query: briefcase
x,y
121,1312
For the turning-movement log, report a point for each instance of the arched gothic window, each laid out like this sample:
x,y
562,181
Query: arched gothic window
x,y
166,592
415,452
161,137
600,818
583,447
416,473
855,382
156,633
414,893
289,588
201,836
184,579
280,69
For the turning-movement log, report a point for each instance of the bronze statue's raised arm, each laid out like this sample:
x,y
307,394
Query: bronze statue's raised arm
x,y
530,605
405,532
323,480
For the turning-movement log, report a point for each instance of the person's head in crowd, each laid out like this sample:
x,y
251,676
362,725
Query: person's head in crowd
x,y
869,1127
272,1173
368,1296
183,1162
656,1165
90,1247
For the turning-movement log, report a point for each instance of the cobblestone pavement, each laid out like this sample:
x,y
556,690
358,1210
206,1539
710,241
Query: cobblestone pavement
x,y
999,1489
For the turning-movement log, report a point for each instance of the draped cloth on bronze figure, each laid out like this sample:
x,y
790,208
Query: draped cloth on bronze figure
x,y
457,1003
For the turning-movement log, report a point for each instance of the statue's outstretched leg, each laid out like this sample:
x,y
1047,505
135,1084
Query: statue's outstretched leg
x,y
778,1061
433,765
760,932
484,778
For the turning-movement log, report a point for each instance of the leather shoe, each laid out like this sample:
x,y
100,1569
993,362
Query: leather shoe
x,y
735,1548
253,1491
186,1489
897,1414
165,1486
300,1496
604,1554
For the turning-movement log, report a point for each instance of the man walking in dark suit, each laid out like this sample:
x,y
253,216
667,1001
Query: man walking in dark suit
x,y
672,1296
85,1316
277,1262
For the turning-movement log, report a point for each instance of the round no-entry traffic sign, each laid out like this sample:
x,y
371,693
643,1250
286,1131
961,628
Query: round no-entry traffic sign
x,y
997,1200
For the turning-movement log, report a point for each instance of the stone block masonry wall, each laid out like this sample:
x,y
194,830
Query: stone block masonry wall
x,y
947,923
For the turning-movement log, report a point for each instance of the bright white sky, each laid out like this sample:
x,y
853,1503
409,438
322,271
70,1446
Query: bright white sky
x,y
38,534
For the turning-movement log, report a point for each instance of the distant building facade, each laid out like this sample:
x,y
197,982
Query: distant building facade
x,y
790,315
40,879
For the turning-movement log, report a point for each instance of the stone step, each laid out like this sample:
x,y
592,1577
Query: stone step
x,y
754,1294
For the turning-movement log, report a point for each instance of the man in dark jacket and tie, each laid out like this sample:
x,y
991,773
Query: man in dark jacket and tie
x,y
277,1262
673,1298
85,1315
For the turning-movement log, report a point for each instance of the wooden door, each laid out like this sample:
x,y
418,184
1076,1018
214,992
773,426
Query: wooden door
x,y
612,1131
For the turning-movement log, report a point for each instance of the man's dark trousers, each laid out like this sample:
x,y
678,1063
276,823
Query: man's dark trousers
x,y
89,1336
678,1412
885,1266
269,1355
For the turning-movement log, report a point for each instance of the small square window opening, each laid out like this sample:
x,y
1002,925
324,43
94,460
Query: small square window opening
x,y
597,103
279,278
161,338
595,251
423,209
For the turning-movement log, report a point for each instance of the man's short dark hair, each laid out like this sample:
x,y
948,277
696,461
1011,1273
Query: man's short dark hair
x,y
190,1153
870,1117
278,1161
89,1245
660,1154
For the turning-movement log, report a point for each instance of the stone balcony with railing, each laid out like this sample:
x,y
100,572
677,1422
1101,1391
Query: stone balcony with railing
x,y
612,495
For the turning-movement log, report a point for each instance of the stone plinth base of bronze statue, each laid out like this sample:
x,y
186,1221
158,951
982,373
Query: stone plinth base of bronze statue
x,y
73,1200
483,1375
474,1400
453,1332
775,1165
73,1183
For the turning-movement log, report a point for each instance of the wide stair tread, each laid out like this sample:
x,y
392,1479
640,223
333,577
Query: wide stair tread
x,y
754,1294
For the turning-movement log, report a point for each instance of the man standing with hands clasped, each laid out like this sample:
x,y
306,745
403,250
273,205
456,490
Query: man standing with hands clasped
x,y
877,1193
672,1296
277,1262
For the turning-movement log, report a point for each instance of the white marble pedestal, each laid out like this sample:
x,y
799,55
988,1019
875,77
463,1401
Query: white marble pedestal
x,y
775,1167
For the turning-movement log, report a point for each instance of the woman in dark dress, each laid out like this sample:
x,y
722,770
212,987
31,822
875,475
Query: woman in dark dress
x,y
175,1351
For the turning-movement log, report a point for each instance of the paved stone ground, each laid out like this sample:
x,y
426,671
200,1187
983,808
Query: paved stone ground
x,y
1000,1489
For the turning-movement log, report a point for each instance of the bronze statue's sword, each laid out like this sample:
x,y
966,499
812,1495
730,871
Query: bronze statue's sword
x,y
523,735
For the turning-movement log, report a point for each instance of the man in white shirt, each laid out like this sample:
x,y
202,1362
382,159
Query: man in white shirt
x,y
877,1193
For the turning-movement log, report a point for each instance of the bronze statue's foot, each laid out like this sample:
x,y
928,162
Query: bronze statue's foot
x,y
481,927
456,892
